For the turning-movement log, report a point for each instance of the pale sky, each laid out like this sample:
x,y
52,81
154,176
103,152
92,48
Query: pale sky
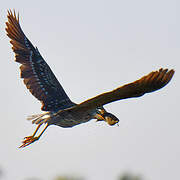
x,y
92,47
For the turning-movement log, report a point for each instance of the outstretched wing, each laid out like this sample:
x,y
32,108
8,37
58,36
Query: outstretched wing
x,y
149,83
38,77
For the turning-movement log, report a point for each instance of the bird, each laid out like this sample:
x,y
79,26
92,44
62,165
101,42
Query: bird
x,y
57,106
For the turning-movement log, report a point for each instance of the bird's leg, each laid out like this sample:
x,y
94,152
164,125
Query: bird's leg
x,y
30,139
34,132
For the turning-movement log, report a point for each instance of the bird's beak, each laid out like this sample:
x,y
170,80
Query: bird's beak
x,y
99,117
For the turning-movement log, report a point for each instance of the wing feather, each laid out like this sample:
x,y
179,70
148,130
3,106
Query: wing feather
x,y
37,75
149,83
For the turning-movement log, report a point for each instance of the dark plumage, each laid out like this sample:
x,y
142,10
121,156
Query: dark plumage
x,y
61,111
37,75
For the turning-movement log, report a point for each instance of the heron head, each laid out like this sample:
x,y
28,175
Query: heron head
x,y
110,118
103,115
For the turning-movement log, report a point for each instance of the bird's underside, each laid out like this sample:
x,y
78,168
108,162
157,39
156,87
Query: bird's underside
x,y
60,110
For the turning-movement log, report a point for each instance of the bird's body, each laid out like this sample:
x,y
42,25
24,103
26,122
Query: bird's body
x,y
60,110
67,118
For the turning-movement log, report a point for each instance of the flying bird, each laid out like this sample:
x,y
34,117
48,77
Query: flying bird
x,y
59,109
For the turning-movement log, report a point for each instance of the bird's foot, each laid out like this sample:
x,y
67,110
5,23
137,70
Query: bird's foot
x,y
28,140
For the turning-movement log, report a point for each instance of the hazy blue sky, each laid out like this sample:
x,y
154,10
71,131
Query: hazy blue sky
x,y
92,47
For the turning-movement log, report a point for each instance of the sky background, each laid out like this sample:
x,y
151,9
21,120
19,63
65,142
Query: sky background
x,y
92,47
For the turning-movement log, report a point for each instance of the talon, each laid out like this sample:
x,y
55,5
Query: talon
x,y
28,137
28,140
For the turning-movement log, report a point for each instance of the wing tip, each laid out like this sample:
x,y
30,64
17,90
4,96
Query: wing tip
x,y
158,79
12,13
168,74
13,28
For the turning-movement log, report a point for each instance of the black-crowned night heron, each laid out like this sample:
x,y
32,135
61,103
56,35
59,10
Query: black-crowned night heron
x,y
60,110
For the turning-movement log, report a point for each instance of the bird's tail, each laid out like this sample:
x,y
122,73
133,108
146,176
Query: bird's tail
x,y
39,118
